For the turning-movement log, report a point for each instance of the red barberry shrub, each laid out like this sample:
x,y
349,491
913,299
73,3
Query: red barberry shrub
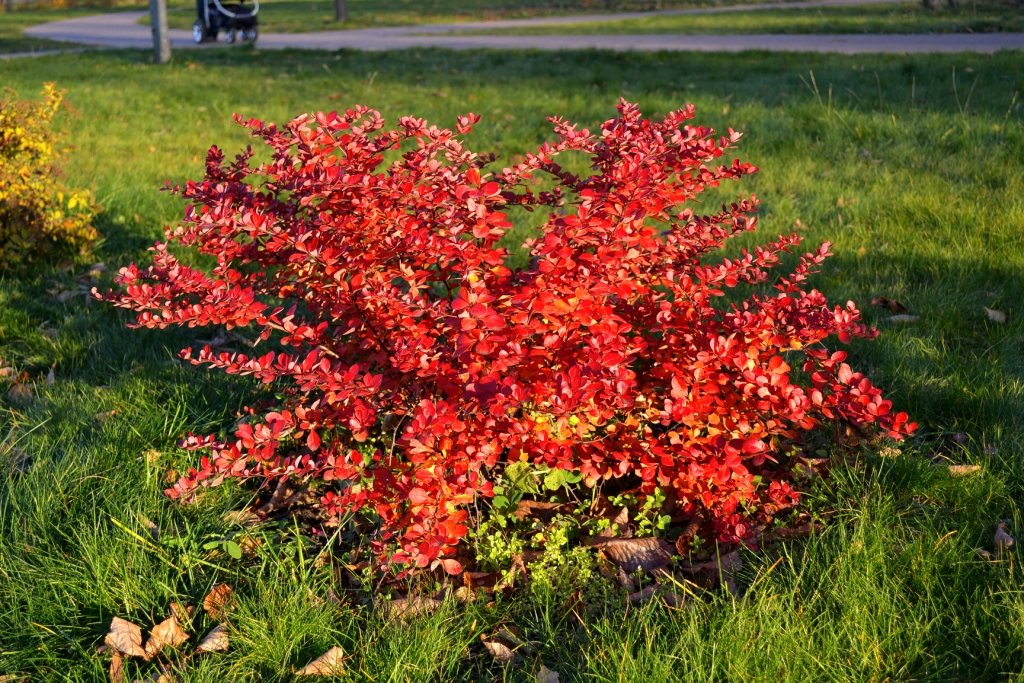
x,y
390,318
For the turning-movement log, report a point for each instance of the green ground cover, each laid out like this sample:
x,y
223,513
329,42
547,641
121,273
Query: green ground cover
x,y
907,17
12,27
298,16
912,166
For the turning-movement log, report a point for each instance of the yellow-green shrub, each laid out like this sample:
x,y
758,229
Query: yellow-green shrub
x,y
39,217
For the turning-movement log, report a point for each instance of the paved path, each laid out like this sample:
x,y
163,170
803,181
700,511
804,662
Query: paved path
x,y
122,30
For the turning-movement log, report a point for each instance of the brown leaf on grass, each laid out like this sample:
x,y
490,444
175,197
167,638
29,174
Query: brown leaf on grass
x,y
116,670
161,675
330,663
21,392
183,613
476,580
643,595
287,494
963,470
1003,540
903,318
404,608
168,633
546,675
215,641
151,527
539,509
125,637
631,554
505,645
13,678
890,305
244,518
985,555
994,315
720,570
786,533
64,294
218,600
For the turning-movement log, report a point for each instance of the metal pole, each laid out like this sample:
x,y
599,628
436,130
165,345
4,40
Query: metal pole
x,y
161,41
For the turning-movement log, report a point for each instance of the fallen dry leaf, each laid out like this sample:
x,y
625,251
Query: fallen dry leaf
x,y
287,494
787,533
168,633
903,318
151,527
1003,540
638,553
546,675
330,663
985,555
215,641
722,568
20,393
183,613
244,518
643,595
116,668
890,305
505,645
963,470
539,509
994,315
218,600
51,376
161,675
501,652
403,608
125,637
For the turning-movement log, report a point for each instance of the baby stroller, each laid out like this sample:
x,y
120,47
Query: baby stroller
x,y
214,17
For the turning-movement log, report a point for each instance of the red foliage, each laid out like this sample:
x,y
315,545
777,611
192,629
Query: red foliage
x,y
392,315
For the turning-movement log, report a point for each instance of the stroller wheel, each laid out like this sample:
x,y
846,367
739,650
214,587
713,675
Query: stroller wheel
x,y
250,34
199,34
230,35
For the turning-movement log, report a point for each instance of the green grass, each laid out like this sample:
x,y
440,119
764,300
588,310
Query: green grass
x,y
911,166
907,17
13,25
298,16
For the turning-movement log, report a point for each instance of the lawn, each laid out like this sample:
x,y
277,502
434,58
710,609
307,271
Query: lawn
x,y
12,26
907,17
912,166
973,16
298,16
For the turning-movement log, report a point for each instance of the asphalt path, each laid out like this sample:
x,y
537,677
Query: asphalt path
x,y
123,30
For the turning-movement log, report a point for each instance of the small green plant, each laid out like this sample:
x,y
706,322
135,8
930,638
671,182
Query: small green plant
x,y
39,217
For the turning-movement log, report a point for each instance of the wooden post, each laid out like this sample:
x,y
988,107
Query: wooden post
x,y
341,10
161,41
9,6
